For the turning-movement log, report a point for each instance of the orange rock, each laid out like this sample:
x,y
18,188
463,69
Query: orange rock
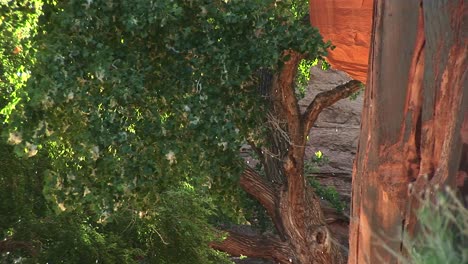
x,y
348,24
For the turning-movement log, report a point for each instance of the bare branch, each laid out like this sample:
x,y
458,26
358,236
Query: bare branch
x,y
326,99
256,246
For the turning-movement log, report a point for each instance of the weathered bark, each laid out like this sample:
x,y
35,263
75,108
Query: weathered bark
x,y
303,236
255,246
260,189
414,105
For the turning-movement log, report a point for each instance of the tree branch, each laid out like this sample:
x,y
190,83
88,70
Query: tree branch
x,y
326,99
264,193
258,151
255,246
284,95
260,189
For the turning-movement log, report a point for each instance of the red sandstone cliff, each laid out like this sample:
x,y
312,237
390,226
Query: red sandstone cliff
x,y
347,23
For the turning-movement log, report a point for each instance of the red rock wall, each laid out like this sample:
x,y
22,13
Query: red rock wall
x,y
414,106
347,23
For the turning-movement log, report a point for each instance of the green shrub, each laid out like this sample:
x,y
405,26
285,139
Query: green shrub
x,y
442,234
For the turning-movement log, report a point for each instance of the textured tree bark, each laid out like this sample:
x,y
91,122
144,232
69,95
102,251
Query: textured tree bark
x,y
302,235
415,101
256,246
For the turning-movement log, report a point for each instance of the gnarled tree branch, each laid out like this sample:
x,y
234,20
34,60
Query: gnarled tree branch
x,y
285,98
256,246
326,99
260,189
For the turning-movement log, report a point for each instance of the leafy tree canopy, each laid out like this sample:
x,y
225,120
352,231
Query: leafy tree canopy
x,y
142,105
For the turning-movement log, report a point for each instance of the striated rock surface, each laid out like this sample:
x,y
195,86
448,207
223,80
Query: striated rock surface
x,y
414,106
347,23
336,131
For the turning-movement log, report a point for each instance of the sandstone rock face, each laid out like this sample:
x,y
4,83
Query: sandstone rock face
x,y
336,131
347,23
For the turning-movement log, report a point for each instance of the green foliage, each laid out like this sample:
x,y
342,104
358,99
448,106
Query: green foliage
x,y
164,81
26,216
20,188
18,21
442,234
73,237
317,160
140,107
303,76
355,95
328,193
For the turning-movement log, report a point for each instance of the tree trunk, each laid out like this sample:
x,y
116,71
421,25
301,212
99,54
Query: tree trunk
x,y
302,235
415,101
